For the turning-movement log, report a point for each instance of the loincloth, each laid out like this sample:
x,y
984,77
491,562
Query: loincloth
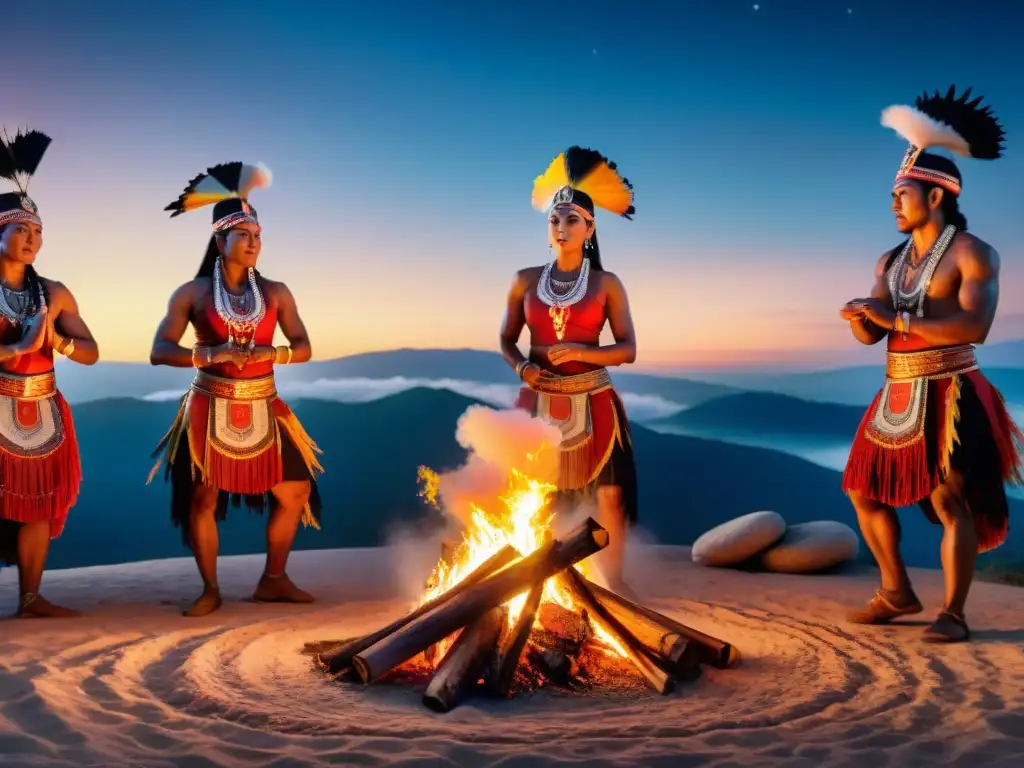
x,y
233,433
587,411
935,414
40,465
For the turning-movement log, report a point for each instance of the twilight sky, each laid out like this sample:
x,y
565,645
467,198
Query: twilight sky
x,y
404,142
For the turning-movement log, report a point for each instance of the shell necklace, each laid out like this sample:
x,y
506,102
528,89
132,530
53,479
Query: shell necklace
x,y
559,303
17,306
913,300
241,314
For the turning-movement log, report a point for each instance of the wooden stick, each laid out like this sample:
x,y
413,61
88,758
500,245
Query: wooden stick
x,y
512,650
655,675
461,610
460,669
336,661
713,652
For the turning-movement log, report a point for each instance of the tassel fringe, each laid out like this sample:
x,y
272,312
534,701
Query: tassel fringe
x,y
952,414
45,487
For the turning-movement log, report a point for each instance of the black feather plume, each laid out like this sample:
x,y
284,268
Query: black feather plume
x,y
976,124
580,161
20,156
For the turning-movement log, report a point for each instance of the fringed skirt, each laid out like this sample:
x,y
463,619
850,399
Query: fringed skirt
x,y
956,424
597,449
40,466
244,448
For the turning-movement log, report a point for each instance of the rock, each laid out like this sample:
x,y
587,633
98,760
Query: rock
x,y
810,547
739,539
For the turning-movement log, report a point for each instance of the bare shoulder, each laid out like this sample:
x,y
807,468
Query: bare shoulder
x,y
609,282
55,289
974,255
524,278
192,291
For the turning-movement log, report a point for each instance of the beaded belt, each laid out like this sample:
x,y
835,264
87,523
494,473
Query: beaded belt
x,y
930,363
578,384
260,388
28,387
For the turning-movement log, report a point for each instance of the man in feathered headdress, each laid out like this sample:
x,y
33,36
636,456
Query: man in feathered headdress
x,y
40,467
937,434
234,437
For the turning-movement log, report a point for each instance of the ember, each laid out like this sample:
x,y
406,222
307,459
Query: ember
x,y
513,607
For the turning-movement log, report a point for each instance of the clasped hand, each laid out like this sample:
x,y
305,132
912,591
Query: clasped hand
x,y
230,352
566,352
37,331
875,310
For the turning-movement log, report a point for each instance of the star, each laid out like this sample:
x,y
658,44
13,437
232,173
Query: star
x,y
757,6
849,11
593,51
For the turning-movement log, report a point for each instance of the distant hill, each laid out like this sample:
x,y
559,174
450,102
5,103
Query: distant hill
x,y
767,413
105,380
372,451
857,386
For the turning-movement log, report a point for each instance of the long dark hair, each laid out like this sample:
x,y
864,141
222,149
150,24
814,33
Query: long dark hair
x,y
32,279
949,207
593,253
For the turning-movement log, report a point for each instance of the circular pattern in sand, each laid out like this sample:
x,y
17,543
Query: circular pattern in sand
x,y
245,694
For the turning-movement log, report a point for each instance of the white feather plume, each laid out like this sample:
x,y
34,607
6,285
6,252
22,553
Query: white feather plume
x,y
923,131
254,177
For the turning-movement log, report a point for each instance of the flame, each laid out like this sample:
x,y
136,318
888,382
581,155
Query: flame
x,y
525,522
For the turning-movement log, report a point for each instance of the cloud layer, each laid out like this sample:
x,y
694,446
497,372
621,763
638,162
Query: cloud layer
x,y
362,390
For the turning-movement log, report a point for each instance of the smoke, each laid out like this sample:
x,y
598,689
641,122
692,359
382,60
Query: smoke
x,y
498,443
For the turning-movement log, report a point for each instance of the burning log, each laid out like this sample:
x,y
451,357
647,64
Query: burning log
x,y
555,666
512,649
338,660
441,621
567,625
660,630
657,677
460,669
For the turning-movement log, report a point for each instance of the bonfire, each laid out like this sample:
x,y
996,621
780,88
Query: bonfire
x,y
512,606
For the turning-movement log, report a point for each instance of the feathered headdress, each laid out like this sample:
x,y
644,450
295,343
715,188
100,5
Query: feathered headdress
x,y
583,179
19,159
227,187
950,122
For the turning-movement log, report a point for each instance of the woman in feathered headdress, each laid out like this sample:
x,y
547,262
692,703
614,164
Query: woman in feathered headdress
x,y
565,305
938,433
40,468
234,438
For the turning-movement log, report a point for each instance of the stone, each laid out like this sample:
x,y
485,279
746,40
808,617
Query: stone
x,y
810,547
739,539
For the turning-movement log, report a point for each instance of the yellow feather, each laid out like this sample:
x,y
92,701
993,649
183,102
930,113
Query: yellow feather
x,y
607,189
548,183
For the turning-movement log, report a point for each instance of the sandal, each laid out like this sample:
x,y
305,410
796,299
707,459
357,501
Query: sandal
x,y
881,609
947,628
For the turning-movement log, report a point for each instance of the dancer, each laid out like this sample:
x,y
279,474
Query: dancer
x,y
565,305
938,433
233,436
40,466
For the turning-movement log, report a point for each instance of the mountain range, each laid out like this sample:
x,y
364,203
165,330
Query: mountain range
x,y
1002,363
372,451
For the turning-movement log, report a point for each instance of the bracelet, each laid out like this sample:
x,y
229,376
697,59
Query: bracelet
x,y
286,352
67,348
522,367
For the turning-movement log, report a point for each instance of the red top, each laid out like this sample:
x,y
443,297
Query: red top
x,y
583,326
40,361
212,331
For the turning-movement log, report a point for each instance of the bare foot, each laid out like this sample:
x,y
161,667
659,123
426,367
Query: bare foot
x,y
279,589
207,603
884,607
35,606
